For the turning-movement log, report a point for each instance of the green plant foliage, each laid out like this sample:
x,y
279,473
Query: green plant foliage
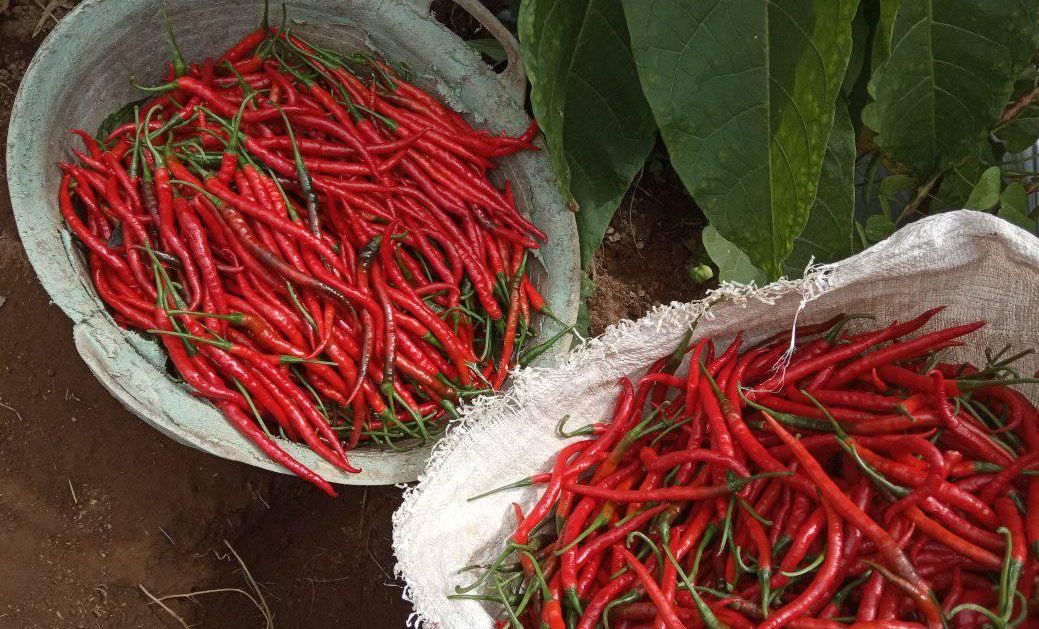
x,y
985,194
733,264
488,47
1022,132
803,129
951,69
743,92
1013,206
586,97
887,9
890,190
958,180
860,47
829,234
878,227
119,117
699,273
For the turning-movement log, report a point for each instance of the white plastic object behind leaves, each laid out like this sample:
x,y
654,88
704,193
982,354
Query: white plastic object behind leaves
x,y
979,266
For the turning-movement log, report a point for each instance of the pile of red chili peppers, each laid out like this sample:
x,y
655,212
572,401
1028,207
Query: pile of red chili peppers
x,y
315,240
868,483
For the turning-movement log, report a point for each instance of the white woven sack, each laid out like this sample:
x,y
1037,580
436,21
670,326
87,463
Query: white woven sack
x,y
980,266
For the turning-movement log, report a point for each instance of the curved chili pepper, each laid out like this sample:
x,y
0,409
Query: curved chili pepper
x,y
271,449
664,606
95,244
844,507
900,351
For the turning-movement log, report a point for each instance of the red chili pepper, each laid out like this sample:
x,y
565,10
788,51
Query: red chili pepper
x,y
95,244
844,507
807,367
615,534
594,610
956,523
806,535
271,449
900,351
171,237
511,321
945,491
1032,521
665,607
951,540
88,141
980,444
1010,518
538,513
198,242
120,300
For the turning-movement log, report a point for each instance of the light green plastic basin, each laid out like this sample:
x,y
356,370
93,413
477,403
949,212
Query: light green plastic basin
x,y
81,73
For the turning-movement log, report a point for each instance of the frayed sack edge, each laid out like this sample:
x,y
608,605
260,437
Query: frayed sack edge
x,y
527,382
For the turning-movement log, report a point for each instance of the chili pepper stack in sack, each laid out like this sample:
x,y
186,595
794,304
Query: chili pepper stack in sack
x,y
316,241
656,534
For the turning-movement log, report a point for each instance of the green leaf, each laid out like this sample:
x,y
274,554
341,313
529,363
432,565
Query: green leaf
x,y
829,234
893,184
744,94
584,320
586,96
1022,132
1013,206
889,189
733,264
120,117
1015,197
856,79
885,25
488,47
985,194
861,30
960,178
951,69
878,227
1020,219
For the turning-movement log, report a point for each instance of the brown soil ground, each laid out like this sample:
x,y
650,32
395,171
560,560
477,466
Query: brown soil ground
x,y
95,504
653,236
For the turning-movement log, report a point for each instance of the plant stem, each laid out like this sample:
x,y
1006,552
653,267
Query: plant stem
x,y
1014,109
921,193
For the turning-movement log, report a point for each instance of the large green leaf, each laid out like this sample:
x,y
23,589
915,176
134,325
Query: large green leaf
x,y
985,194
829,234
733,264
586,97
743,92
948,76
861,31
884,29
864,29
878,227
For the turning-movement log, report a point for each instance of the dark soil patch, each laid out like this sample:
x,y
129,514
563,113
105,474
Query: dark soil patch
x,y
93,502
653,237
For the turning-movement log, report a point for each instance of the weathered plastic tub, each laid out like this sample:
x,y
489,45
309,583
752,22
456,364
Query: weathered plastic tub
x,y
82,72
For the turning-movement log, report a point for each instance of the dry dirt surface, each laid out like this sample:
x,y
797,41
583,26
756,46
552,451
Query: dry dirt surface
x,y
94,504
